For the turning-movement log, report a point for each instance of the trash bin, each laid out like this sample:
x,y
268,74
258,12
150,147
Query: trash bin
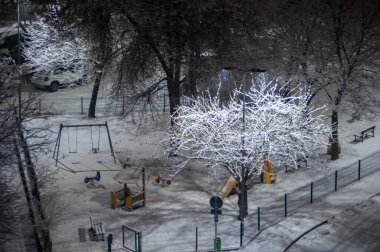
x,y
217,244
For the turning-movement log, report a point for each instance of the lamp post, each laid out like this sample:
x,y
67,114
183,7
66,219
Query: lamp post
x,y
243,204
19,60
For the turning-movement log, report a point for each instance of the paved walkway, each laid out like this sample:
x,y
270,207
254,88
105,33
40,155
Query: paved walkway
x,y
278,237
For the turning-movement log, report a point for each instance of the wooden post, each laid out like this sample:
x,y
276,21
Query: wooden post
x,y
113,200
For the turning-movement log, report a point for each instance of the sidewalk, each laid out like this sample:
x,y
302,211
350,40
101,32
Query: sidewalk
x,y
278,237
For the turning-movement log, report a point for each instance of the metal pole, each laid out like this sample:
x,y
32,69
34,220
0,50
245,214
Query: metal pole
x,y
311,192
359,168
109,241
196,238
164,102
122,227
136,241
19,60
216,219
140,241
109,139
123,104
59,143
241,234
143,184
286,205
258,218
81,106
336,180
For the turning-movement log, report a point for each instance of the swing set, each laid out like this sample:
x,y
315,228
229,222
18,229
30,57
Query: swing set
x,y
94,145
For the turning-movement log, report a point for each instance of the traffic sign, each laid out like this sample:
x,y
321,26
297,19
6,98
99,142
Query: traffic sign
x,y
216,202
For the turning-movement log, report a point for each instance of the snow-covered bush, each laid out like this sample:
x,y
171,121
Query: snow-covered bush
x,y
274,127
46,49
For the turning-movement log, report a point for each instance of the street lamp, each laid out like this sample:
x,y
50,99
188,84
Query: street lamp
x,y
18,60
243,205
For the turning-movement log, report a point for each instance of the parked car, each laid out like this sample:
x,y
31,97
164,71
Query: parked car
x,y
59,78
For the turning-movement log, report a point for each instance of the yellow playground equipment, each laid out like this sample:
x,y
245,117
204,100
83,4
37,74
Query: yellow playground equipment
x,y
269,176
126,198
227,186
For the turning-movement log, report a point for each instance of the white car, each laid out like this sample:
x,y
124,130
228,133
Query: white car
x,y
59,78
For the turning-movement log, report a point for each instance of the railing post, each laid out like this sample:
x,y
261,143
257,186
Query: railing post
x,y
196,238
109,242
123,104
258,218
81,105
311,192
286,205
137,241
164,102
359,167
336,180
241,233
123,234
140,241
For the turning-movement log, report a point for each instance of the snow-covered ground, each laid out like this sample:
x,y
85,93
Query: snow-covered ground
x,y
172,213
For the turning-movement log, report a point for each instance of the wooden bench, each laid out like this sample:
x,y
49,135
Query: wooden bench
x,y
97,230
370,132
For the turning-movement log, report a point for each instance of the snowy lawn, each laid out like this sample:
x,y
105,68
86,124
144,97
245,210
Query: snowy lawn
x,y
171,214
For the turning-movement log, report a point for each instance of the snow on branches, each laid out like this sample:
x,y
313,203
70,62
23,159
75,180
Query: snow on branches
x,y
45,49
276,127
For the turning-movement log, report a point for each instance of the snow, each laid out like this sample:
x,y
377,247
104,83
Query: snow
x,y
172,213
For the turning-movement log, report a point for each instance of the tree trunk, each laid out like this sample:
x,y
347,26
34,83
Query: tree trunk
x,y
335,143
174,97
94,96
35,192
27,196
243,199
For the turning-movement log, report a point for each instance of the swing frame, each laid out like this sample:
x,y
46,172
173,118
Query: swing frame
x,y
61,127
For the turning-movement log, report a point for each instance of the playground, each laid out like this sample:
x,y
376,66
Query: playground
x,y
125,164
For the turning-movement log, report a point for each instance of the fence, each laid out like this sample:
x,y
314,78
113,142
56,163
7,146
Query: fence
x,y
283,206
234,235
104,105
131,239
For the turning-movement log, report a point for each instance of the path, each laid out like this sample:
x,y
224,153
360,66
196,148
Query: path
x,y
335,206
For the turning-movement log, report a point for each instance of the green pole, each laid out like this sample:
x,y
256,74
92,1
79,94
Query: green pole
x,y
359,167
336,180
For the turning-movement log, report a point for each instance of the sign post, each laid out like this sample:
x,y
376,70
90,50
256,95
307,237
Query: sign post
x,y
216,203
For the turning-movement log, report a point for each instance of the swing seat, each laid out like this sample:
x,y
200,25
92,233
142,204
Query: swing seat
x,y
95,150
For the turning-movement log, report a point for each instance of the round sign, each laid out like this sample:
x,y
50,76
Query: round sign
x,y
216,202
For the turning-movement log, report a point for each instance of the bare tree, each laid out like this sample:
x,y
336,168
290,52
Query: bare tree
x,y
332,46
45,50
253,127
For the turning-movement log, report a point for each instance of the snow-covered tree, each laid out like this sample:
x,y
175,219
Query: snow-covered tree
x,y
254,126
45,49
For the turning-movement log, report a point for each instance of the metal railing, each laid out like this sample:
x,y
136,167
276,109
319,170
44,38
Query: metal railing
x,y
192,238
283,206
104,106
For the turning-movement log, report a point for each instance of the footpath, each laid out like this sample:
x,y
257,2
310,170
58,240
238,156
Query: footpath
x,y
353,215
